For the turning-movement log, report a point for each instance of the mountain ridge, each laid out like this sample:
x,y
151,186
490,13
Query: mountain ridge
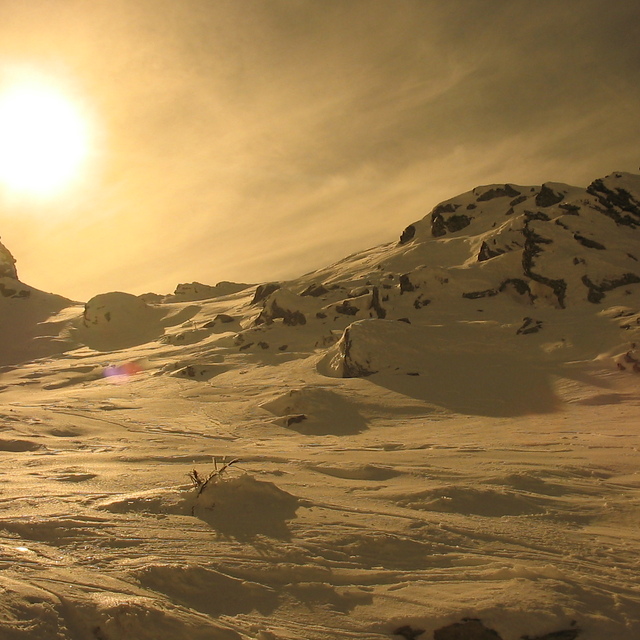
x,y
506,258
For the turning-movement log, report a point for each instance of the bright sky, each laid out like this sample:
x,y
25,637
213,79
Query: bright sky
x,y
256,140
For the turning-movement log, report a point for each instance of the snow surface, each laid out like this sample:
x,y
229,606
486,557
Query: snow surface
x,y
441,428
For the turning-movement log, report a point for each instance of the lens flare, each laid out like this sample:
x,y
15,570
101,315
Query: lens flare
x,y
122,372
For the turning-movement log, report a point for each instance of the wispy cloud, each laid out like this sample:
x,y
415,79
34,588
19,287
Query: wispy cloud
x,y
257,140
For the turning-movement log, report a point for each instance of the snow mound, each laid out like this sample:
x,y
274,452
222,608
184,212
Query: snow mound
x,y
118,320
243,507
470,501
460,366
313,410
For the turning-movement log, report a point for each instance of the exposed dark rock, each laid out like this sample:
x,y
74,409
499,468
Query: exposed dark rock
x,y
375,306
290,318
597,291
471,206
440,226
446,208
529,325
297,419
536,215
500,192
518,284
517,201
548,197
559,222
614,200
347,309
7,264
321,315
10,292
351,368
474,295
468,629
420,302
407,632
407,234
457,222
404,320
263,345
405,284
632,257
571,209
264,290
244,347
591,244
579,261
532,249
273,311
283,347
315,290
486,252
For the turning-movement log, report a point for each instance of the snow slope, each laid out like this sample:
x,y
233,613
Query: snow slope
x,y
437,429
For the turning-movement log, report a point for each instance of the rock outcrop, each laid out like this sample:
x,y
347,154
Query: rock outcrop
x,y
7,264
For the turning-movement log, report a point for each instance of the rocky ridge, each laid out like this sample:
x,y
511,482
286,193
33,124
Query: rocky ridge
x,y
494,263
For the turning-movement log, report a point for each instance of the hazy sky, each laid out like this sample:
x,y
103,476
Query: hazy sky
x,y
255,140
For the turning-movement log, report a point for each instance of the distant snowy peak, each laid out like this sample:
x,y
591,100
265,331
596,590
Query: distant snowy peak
x,y
197,291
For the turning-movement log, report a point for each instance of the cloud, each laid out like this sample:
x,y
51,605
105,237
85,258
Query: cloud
x,y
256,140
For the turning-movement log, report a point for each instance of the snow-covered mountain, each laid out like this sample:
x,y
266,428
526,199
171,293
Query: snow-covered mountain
x,y
435,438
488,268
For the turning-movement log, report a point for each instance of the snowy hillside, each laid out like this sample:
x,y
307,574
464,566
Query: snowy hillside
x,y
436,438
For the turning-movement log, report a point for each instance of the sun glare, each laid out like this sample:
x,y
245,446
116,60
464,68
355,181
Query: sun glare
x,y
44,140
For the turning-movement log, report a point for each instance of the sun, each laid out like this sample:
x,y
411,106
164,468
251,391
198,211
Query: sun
x,y
44,139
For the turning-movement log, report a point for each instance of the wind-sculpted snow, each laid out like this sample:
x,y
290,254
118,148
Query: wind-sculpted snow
x,y
434,437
